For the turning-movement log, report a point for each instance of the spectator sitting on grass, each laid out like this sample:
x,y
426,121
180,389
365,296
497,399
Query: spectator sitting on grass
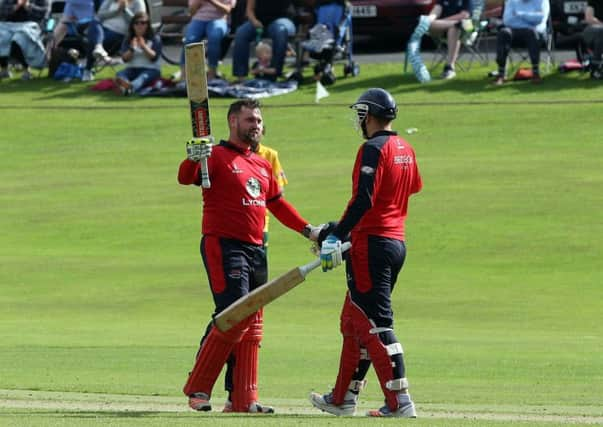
x,y
265,18
141,52
261,68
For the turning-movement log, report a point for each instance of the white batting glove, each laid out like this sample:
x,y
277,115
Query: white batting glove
x,y
198,149
330,253
311,232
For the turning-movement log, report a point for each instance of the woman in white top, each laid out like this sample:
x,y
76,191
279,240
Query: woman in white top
x,y
141,51
209,19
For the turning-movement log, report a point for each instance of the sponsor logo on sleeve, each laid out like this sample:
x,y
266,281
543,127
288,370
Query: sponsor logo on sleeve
x,y
367,170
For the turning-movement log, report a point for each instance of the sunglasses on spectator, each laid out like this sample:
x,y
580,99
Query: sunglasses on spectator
x,y
141,22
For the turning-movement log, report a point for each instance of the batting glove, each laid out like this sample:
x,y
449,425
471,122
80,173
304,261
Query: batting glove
x,y
330,253
198,149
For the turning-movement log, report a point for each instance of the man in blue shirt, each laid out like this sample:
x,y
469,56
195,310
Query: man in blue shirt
x,y
524,23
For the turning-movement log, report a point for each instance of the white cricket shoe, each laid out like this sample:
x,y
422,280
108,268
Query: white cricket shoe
x,y
405,411
254,408
324,402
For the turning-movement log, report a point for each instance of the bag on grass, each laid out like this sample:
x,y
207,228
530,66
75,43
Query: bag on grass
x,y
523,74
67,71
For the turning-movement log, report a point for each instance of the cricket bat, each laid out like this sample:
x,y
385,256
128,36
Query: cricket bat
x,y
268,292
196,88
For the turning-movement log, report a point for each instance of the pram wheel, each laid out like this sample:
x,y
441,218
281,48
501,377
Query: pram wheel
x,y
352,69
328,78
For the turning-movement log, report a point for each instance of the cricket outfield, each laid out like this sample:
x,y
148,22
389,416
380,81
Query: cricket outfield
x,y
498,307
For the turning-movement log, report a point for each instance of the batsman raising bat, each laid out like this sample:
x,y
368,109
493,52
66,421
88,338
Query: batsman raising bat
x,y
243,186
271,155
385,175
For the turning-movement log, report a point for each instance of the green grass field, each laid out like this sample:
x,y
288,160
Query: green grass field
x,y
498,307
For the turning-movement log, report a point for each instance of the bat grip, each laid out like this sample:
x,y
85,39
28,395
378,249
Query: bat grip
x,y
204,175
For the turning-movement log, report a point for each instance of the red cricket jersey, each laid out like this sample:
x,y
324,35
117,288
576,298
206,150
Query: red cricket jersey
x,y
385,175
242,185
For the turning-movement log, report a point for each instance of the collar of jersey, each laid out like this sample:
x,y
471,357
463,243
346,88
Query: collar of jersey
x,y
384,132
231,146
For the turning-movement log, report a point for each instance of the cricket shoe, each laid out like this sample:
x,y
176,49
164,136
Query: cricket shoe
x,y
324,402
404,411
254,408
199,402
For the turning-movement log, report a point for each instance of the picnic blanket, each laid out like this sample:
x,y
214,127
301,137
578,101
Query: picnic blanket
x,y
255,89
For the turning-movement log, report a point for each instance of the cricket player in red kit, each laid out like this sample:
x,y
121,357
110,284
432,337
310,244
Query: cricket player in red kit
x,y
243,186
385,175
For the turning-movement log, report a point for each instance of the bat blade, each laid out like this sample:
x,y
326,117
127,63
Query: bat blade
x,y
196,88
256,299
268,292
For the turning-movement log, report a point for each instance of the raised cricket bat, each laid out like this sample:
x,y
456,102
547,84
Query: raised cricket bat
x,y
196,88
268,292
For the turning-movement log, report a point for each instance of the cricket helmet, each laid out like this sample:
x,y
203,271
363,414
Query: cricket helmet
x,y
377,102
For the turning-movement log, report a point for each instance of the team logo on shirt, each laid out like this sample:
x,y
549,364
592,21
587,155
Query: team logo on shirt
x,y
264,172
253,189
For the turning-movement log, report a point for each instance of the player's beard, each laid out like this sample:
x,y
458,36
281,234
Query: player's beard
x,y
252,137
363,127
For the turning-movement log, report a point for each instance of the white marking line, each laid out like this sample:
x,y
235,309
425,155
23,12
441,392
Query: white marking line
x,y
98,402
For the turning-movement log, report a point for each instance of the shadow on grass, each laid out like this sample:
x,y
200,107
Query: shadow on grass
x,y
474,86
148,414
470,84
44,89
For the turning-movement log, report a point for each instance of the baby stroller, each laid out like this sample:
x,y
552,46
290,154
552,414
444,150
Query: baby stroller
x,y
330,40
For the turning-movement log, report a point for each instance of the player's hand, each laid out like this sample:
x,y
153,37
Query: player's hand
x,y
311,232
198,149
330,253
326,229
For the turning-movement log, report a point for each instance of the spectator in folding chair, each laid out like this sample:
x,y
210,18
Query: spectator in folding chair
x,y
525,24
593,36
209,19
446,17
114,17
78,20
265,18
21,34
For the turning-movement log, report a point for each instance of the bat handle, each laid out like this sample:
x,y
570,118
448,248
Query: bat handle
x,y
305,269
204,175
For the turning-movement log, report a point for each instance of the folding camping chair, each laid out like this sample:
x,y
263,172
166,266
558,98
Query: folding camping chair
x,y
519,54
470,42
